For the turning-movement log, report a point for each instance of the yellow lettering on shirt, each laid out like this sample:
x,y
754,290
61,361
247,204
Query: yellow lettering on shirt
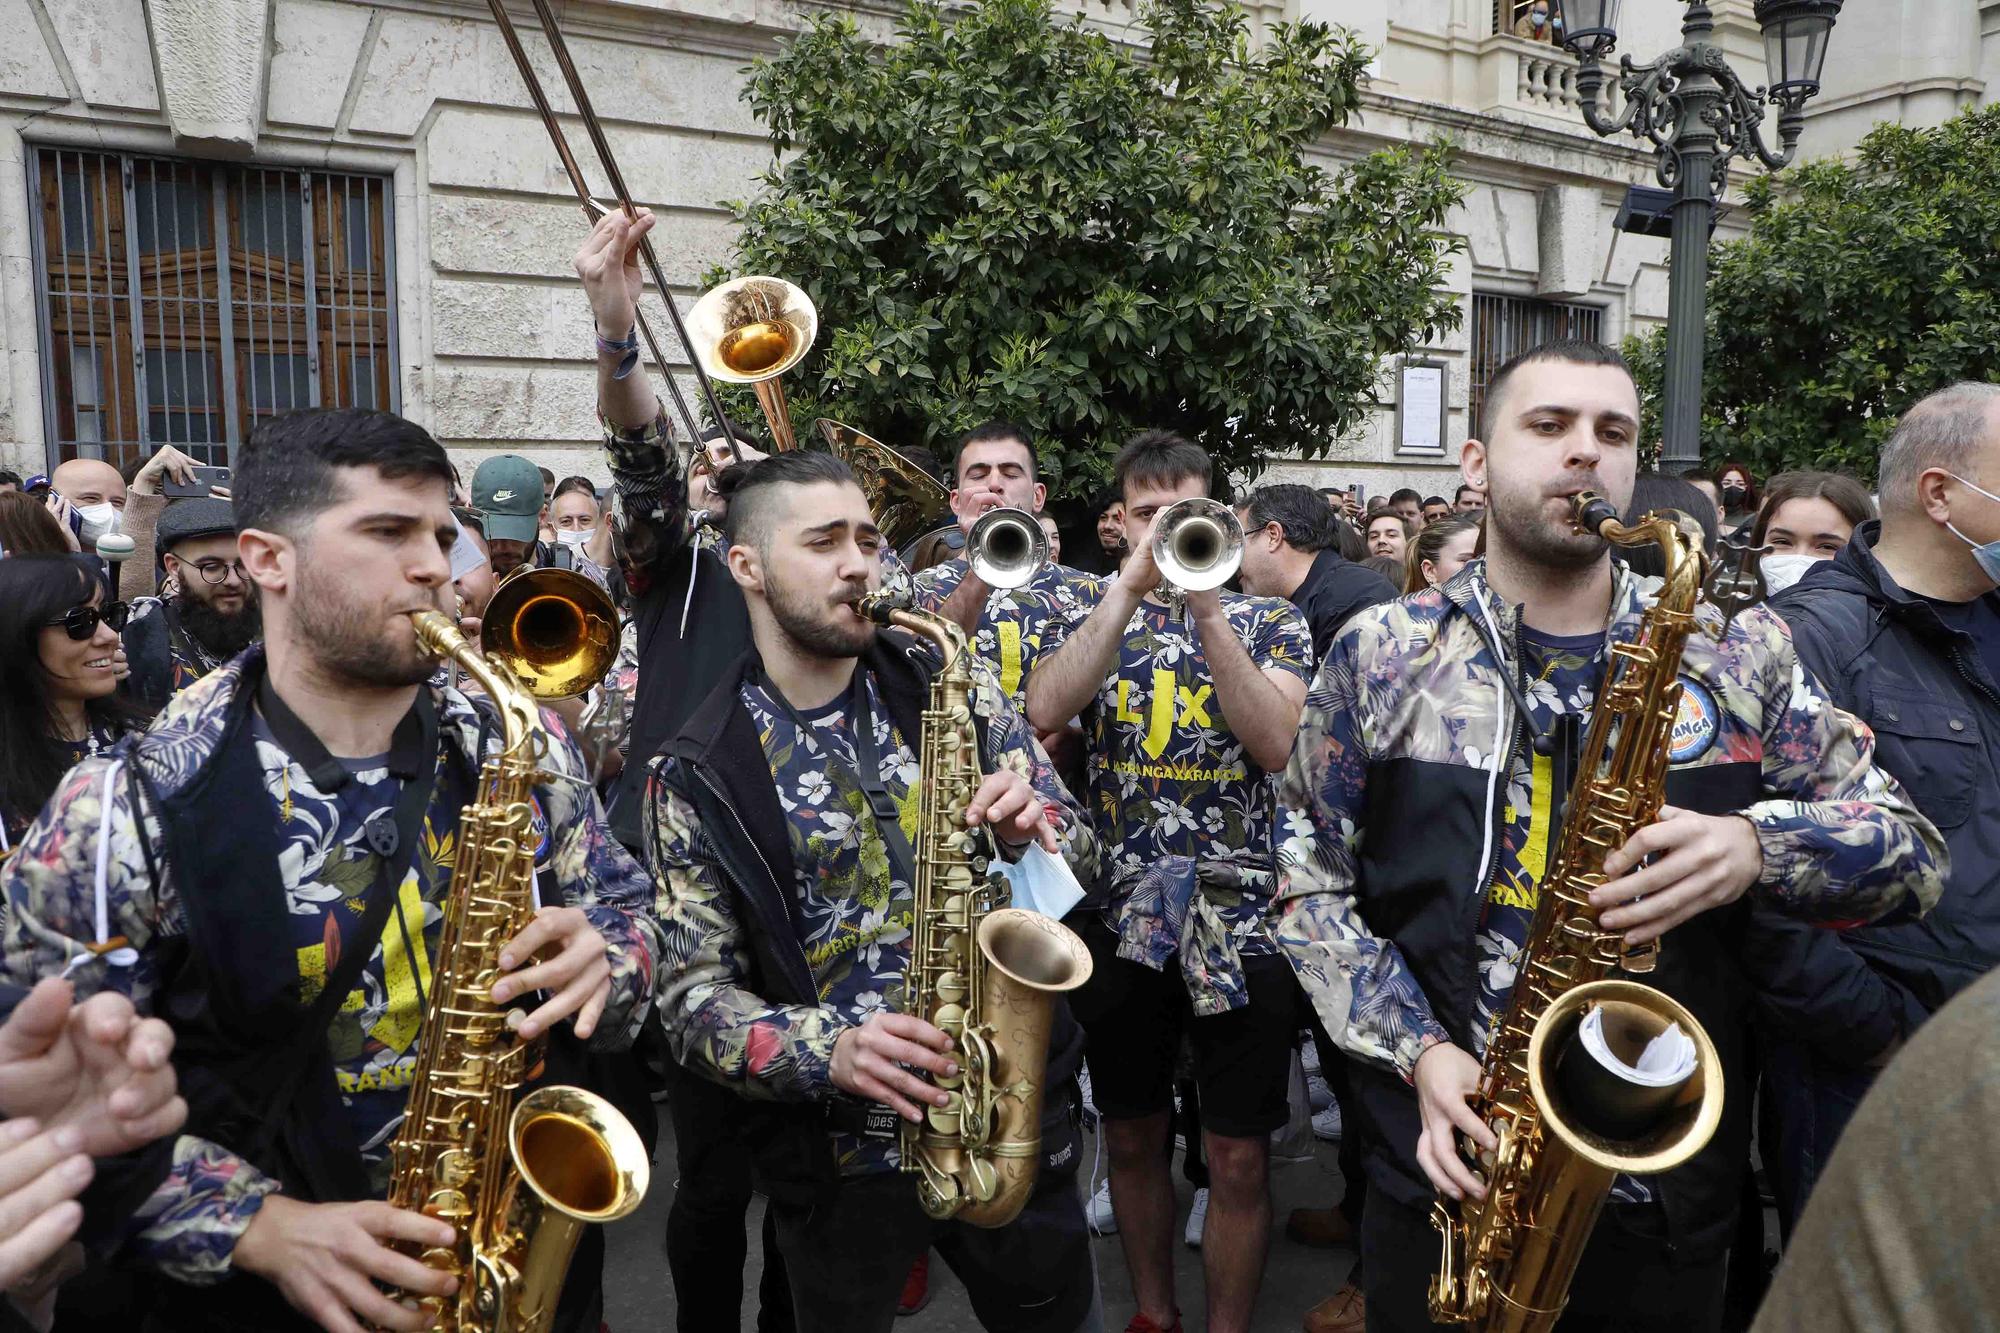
x,y
1009,632
1160,717
404,978
1194,705
1535,849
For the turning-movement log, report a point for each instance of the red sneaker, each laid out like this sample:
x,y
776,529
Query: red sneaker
x,y
1141,1324
917,1286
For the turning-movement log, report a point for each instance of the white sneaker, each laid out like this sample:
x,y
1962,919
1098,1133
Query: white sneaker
x,y
1103,1221
1089,1102
1197,1219
1320,1095
1326,1124
1309,1056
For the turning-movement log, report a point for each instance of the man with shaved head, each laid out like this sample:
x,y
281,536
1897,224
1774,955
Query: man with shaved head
x,y
95,490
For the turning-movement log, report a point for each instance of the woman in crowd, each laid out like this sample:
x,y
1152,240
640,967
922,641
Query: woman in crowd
x,y
1440,551
1389,534
1739,495
28,528
1655,491
59,665
1807,517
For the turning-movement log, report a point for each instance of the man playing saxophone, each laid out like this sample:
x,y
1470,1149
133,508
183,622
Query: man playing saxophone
x,y
780,826
264,870
1424,802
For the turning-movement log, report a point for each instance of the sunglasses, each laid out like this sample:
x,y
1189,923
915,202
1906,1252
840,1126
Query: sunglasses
x,y
80,622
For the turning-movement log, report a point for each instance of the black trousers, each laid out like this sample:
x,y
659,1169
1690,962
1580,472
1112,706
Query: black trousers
x,y
705,1238
1333,1069
1626,1283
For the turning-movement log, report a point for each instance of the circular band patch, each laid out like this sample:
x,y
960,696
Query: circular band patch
x,y
1695,723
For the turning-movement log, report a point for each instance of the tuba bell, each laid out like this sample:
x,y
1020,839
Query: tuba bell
x,y
906,500
556,630
751,331
1006,547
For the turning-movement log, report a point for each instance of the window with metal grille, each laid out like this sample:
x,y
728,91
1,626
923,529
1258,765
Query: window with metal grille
x,y
1503,327
184,302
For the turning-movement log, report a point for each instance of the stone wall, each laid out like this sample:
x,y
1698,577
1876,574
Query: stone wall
x,y
494,340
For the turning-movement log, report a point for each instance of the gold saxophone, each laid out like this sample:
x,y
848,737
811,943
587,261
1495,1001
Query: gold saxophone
x,y
987,976
1566,1125
467,1147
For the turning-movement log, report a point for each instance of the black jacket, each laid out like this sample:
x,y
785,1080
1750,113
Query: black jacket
x,y
1334,589
1884,655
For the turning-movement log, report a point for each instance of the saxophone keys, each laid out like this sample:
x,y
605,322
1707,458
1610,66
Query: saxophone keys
x,y
983,1180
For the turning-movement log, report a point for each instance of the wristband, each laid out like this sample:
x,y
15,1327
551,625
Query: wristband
x,y
626,349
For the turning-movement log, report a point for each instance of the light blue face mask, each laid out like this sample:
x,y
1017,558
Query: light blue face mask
x,y
1987,555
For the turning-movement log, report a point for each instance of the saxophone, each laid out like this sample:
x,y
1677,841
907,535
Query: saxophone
x,y
1566,1123
987,976
519,1179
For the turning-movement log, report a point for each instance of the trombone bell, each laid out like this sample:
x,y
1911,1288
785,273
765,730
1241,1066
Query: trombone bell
x,y
1006,547
751,331
553,628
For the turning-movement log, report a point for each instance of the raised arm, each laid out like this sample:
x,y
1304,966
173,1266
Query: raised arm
x,y
1260,698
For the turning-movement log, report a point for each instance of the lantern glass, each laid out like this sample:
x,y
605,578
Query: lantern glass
x,y
1795,38
1590,27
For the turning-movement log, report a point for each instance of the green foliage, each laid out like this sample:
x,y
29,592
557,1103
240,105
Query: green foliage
x,y
1860,288
1003,215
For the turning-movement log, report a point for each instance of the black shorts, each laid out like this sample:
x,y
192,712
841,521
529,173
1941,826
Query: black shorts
x,y
1133,1018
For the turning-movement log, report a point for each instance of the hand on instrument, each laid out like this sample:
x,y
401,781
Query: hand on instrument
x,y
1139,572
327,1257
608,263
1704,861
869,1061
1007,803
97,1068
1205,605
170,462
576,970
1445,1077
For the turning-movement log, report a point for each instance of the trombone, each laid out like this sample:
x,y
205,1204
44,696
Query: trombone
x,y
748,331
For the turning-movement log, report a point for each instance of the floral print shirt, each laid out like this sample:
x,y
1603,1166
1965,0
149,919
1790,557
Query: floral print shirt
x,y
856,909
1172,791
189,1228
1010,633
1418,679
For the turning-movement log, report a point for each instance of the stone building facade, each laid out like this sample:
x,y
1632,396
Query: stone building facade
x,y
211,210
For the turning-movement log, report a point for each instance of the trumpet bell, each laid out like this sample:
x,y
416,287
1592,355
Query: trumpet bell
x,y
553,628
752,329
906,500
1006,546
1197,543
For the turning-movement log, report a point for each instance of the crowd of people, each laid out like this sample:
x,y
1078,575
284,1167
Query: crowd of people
x,y
1303,824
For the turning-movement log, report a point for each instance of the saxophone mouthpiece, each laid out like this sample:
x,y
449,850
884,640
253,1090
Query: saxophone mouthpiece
x,y
1591,511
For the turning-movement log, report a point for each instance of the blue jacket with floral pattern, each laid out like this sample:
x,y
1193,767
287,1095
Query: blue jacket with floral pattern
x,y
89,871
1411,747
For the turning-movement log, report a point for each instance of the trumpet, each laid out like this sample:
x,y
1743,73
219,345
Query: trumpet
x,y
1198,545
1006,547
751,331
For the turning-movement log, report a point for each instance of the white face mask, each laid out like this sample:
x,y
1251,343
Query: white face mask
x,y
1782,571
576,541
98,519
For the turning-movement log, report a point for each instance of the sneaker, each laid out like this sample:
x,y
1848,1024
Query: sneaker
x,y
1346,1311
1141,1324
1326,1123
1089,1102
1320,1095
1309,1056
916,1287
1103,1221
1197,1219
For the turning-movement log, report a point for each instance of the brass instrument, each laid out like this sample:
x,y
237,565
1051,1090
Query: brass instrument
x,y
906,500
1198,545
751,331
519,1179
1567,1121
555,630
986,976
1006,547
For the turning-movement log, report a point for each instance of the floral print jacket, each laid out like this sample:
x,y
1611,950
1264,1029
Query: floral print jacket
x,y
188,1229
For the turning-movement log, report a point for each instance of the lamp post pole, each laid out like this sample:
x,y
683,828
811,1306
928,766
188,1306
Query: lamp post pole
x,y
1699,116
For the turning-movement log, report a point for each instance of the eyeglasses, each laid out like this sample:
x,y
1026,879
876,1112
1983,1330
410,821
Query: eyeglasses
x,y
80,622
218,571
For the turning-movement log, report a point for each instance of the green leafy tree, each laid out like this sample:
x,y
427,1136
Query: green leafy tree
x,y
1860,288
1003,215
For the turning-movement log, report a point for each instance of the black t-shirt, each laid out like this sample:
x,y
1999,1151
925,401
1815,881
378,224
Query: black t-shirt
x,y
1979,618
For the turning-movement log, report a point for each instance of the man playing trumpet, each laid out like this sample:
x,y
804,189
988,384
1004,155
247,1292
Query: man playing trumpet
x,y
1184,721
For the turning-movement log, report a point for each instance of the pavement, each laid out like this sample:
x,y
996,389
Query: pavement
x,y
639,1294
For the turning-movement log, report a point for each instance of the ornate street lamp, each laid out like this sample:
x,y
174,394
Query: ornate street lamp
x,y
1699,116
